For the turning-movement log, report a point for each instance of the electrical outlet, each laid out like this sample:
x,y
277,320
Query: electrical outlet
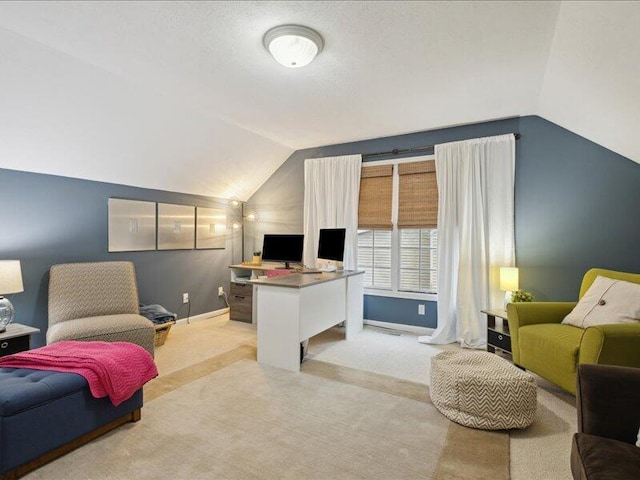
x,y
185,298
421,309
220,291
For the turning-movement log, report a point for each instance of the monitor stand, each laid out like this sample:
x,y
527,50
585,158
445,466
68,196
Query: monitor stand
x,y
329,265
287,266
328,268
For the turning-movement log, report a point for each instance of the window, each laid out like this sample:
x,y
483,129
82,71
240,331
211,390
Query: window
x,y
402,259
374,256
418,260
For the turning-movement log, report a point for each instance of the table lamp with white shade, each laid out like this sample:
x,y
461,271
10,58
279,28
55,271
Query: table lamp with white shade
x,y
10,282
508,282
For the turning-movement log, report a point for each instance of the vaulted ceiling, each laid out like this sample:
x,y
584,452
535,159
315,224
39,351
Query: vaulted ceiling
x,y
182,96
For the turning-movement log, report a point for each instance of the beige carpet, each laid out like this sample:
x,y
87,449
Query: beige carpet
x,y
540,452
467,453
190,344
228,417
543,450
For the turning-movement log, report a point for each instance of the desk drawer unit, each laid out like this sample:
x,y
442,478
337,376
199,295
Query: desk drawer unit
x,y
241,302
499,340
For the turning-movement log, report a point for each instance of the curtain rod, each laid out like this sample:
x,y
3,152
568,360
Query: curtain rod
x,y
397,151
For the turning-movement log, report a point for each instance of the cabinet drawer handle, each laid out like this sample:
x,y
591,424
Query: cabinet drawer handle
x,y
239,296
4,344
499,337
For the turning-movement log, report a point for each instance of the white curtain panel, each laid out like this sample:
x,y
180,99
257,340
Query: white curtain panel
x,y
331,192
475,234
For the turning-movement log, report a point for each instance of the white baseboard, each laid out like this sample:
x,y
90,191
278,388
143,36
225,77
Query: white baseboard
x,y
401,327
203,316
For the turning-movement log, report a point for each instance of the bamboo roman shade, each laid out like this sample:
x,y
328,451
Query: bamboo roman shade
x,y
374,207
418,195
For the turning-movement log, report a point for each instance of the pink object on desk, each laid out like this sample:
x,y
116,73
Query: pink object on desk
x,y
277,273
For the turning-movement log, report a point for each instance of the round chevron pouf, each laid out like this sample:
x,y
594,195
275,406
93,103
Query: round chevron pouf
x,y
482,390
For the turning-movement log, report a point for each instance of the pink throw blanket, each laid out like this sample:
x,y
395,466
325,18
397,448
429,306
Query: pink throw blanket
x,y
117,369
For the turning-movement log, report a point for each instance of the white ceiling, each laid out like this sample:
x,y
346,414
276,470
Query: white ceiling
x,y
182,96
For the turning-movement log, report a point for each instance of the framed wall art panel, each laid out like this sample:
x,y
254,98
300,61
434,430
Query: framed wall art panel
x,y
211,230
176,226
132,225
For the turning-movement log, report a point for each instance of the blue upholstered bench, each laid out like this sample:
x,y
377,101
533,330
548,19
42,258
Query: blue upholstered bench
x,y
44,415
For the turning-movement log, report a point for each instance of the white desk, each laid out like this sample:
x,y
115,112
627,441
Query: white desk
x,y
293,308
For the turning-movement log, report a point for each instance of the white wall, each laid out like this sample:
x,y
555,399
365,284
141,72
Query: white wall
x,y
592,83
62,116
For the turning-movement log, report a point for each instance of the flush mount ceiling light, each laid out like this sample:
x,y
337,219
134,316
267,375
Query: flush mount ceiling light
x,y
293,46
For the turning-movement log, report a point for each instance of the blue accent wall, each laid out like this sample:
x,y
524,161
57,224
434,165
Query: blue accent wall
x,y
400,310
576,207
48,219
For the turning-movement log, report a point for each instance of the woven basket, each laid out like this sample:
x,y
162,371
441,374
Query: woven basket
x,y
162,331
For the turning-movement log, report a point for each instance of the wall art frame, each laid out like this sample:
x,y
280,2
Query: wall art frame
x,y
132,225
211,228
176,226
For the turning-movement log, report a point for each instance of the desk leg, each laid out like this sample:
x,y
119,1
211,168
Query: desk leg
x,y
278,327
354,306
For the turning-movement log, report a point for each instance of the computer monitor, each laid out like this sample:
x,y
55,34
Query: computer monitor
x,y
331,248
283,248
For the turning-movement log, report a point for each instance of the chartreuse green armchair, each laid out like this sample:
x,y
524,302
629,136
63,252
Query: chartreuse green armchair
x,y
541,344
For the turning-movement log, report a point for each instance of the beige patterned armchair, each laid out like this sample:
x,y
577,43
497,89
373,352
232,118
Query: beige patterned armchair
x,y
97,301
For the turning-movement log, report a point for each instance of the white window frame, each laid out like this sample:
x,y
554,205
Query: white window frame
x,y
395,236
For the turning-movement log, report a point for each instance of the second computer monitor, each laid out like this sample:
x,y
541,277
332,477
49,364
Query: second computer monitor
x,y
331,247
